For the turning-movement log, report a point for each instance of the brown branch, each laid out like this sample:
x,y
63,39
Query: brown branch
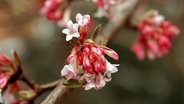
x,y
118,21
58,94
28,82
49,85
40,89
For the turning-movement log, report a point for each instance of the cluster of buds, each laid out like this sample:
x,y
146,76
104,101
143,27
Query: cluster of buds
x,y
56,10
105,7
8,82
87,63
155,36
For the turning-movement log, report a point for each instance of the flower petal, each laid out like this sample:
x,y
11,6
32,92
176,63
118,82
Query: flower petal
x,y
66,31
69,37
111,68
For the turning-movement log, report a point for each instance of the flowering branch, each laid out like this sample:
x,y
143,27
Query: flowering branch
x,y
58,94
87,66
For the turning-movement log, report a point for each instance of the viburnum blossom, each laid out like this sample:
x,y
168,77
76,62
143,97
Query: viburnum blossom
x,y
87,63
8,80
85,25
71,31
56,10
51,9
155,34
79,29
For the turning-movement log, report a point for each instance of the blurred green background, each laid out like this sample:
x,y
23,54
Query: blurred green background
x,y
43,52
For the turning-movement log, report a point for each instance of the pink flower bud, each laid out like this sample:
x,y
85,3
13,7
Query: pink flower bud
x,y
79,57
138,50
70,58
92,58
99,67
87,65
86,51
96,50
111,53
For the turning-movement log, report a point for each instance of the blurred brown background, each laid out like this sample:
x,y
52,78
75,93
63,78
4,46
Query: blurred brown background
x,y
43,52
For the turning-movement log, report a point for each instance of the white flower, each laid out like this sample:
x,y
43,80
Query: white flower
x,y
100,81
82,20
68,71
89,85
71,30
158,19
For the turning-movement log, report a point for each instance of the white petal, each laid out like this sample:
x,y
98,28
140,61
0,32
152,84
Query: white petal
x,y
76,35
89,86
69,37
71,67
78,17
69,24
64,71
87,17
102,83
69,76
111,68
66,31
75,27
158,19
85,21
80,22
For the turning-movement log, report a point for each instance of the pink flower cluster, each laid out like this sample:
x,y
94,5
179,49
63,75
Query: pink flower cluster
x,y
155,36
53,10
86,61
6,72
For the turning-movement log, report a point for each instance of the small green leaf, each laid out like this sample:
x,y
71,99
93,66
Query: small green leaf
x,y
72,83
30,94
96,32
103,42
149,13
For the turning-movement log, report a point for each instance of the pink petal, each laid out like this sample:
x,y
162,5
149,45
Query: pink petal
x,y
111,53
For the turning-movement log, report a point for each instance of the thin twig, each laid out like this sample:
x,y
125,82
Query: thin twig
x,y
57,95
49,85
28,82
